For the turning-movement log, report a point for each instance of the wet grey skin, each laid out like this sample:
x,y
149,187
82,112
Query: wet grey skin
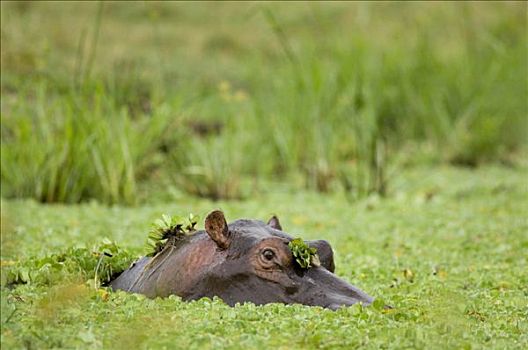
x,y
245,261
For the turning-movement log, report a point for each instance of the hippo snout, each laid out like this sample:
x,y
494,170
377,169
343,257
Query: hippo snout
x,y
346,303
342,301
330,291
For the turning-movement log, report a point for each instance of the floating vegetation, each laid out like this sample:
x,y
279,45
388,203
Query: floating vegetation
x,y
99,264
304,255
169,229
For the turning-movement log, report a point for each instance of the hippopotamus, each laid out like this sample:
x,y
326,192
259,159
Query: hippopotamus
x,y
244,261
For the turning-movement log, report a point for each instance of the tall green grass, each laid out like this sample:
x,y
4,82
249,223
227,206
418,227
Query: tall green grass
x,y
321,116
296,99
75,146
342,112
211,162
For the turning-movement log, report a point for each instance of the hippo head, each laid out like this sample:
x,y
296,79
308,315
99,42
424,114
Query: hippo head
x,y
253,262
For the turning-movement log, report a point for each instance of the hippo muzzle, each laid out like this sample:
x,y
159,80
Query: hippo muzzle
x,y
321,287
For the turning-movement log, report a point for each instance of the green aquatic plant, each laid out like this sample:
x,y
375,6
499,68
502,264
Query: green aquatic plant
x,y
169,228
98,264
303,254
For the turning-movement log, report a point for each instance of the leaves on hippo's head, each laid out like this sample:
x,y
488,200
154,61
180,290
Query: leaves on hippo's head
x,y
169,227
304,255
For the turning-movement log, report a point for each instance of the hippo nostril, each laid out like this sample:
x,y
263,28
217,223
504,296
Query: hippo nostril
x,y
292,289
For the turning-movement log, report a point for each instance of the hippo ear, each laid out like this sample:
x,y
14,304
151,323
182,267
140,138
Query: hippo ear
x,y
216,228
273,222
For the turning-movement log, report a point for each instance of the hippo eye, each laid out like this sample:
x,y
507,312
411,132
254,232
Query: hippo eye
x,y
268,254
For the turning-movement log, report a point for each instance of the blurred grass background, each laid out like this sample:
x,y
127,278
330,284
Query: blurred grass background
x,y
116,101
